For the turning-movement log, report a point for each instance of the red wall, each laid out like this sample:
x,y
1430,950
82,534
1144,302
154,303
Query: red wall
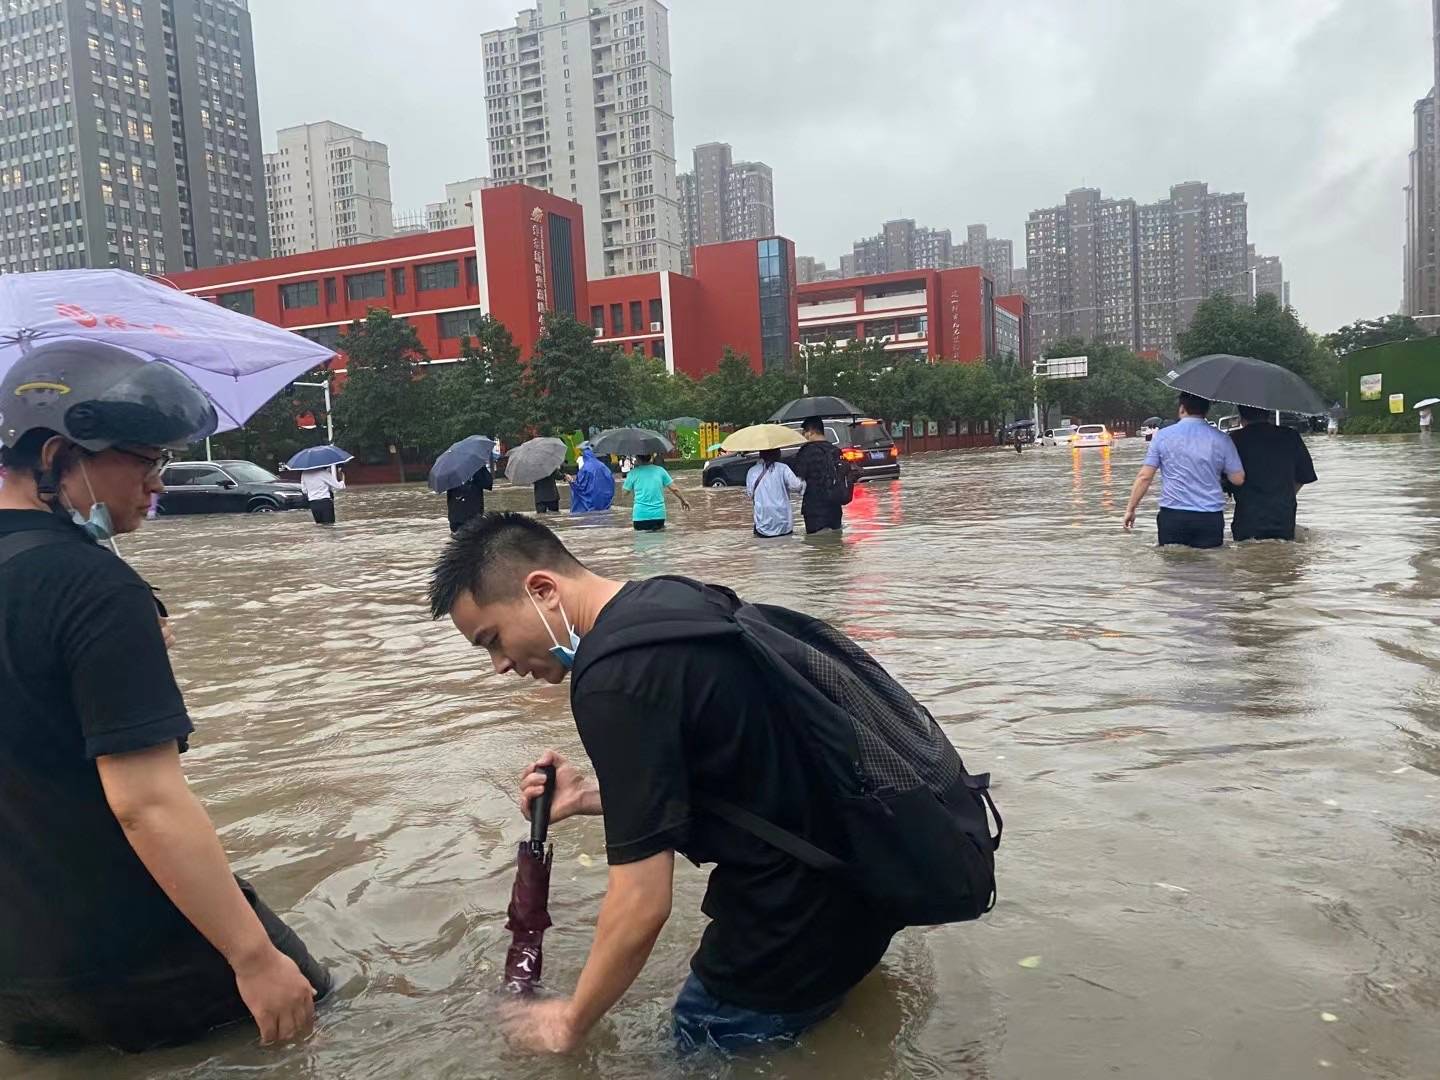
x,y
632,288
511,232
692,356
729,279
961,300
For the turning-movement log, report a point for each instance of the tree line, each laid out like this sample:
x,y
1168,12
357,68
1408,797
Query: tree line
x,y
394,402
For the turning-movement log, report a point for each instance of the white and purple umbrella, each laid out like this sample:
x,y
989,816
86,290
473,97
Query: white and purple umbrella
x,y
239,361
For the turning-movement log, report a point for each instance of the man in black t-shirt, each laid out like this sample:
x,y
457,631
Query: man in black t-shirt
x,y
1277,465
818,464
120,921
661,725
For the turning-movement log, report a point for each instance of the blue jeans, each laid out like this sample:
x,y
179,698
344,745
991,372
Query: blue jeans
x,y
703,1020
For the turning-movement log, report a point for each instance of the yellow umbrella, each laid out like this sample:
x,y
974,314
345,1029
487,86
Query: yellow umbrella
x,y
761,437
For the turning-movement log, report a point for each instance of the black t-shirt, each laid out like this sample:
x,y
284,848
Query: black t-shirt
x,y
660,723
83,673
1275,460
817,463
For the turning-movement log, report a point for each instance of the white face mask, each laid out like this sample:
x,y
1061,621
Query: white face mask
x,y
565,655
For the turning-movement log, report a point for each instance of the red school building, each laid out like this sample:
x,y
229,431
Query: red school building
x,y
525,256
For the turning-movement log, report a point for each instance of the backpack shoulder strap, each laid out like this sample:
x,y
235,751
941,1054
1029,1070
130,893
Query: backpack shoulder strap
x,y
17,544
796,847
656,624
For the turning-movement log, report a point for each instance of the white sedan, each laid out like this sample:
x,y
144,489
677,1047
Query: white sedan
x,y
1091,435
1060,436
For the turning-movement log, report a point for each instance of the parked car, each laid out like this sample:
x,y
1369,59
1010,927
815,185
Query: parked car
x,y
1091,435
1060,436
862,442
221,487
1147,431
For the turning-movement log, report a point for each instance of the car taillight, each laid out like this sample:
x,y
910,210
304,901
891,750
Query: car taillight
x,y
853,455
894,451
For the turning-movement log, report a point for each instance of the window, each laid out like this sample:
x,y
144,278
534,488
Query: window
x,y
637,322
443,275
302,294
243,301
397,281
657,314
657,349
365,286
617,319
328,336
330,290
472,270
455,324
597,319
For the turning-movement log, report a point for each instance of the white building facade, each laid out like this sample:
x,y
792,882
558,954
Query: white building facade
x,y
327,186
578,102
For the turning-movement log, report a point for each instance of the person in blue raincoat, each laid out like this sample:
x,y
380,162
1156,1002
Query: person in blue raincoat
x,y
594,485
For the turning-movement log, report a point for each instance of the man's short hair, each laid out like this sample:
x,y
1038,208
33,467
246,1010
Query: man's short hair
x,y
1251,414
1194,405
27,451
813,425
490,557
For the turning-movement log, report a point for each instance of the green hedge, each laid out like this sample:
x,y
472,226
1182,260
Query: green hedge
x,y
1390,424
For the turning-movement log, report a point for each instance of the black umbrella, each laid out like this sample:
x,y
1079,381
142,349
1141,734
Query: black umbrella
x,y
529,913
630,441
1243,380
806,407
1152,421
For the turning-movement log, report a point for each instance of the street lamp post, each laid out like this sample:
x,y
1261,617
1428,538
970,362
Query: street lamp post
x,y
329,419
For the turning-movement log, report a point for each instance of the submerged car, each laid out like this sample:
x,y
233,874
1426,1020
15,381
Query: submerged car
x,y
225,487
862,442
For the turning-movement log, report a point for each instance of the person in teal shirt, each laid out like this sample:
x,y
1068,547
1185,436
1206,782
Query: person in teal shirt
x,y
649,484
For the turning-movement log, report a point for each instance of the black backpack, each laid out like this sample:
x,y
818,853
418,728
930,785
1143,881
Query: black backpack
x,y
836,482
917,842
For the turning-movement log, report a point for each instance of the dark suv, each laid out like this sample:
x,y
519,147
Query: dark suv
x,y
863,442
225,487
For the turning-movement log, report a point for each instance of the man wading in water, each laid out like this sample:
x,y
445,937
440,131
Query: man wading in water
x,y
120,922
662,726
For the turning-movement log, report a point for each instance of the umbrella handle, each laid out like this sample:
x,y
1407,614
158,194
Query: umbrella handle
x,y
540,808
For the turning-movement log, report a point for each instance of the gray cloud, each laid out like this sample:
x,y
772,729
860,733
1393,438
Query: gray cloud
x,y
952,111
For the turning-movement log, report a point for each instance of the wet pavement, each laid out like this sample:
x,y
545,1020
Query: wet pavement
x,y
1220,774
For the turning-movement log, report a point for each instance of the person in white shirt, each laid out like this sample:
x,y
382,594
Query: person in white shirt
x,y
320,487
770,483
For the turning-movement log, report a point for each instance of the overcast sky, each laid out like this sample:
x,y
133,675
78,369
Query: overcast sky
x,y
950,111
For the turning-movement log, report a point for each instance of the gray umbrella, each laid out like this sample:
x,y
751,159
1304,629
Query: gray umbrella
x,y
1243,380
629,441
462,461
535,460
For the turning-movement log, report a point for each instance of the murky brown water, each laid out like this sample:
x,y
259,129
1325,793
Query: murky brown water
x,y
1220,774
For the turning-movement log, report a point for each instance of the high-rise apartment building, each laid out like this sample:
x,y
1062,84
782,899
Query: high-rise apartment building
x,y
1268,274
1128,274
578,103
995,255
1422,199
900,245
809,269
458,207
1020,281
327,186
722,199
129,135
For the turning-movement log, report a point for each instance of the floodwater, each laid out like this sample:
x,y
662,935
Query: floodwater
x,y
1220,774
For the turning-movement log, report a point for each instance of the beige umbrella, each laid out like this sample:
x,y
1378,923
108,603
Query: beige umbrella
x,y
761,437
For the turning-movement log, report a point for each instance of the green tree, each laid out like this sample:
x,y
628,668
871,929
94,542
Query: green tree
x,y
1364,333
579,384
1120,385
728,393
489,392
1266,331
384,404
658,394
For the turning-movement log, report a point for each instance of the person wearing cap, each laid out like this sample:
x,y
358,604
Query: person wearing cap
x,y
121,922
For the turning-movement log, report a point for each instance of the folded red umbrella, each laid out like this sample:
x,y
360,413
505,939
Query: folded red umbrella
x,y
530,897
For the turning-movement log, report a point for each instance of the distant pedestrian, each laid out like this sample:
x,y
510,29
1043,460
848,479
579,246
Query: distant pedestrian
x,y
1426,417
547,493
593,487
466,502
769,484
320,487
1019,447
649,484
1277,465
1191,455
820,465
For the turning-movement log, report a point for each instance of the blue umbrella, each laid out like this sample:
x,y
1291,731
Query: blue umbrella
x,y
317,457
462,461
